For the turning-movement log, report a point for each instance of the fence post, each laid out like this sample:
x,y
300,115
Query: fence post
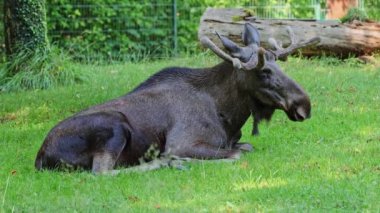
x,y
317,10
175,37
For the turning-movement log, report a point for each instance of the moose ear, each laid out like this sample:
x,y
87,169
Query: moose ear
x,y
233,48
250,35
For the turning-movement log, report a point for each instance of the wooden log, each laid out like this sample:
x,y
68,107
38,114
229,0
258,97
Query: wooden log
x,y
342,40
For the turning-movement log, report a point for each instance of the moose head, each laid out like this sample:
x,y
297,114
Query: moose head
x,y
269,87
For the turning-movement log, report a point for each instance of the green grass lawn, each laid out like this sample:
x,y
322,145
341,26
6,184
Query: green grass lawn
x,y
330,162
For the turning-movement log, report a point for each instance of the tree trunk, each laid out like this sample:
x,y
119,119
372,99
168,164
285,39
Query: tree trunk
x,y
24,26
342,40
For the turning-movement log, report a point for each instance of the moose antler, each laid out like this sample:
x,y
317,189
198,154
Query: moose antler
x,y
255,61
282,53
206,42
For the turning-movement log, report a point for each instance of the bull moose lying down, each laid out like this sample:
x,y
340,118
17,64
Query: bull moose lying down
x,y
183,112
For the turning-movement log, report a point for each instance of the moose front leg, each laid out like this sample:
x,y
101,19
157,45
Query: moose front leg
x,y
202,150
234,143
255,127
181,151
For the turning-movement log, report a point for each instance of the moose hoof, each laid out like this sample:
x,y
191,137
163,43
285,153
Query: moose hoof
x,y
245,147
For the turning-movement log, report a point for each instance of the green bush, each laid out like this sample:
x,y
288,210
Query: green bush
x,y
372,8
111,28
355,14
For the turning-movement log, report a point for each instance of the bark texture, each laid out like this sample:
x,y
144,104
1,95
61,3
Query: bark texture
x,y
24,26
342,40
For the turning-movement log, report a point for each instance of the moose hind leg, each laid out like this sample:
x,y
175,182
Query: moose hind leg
x,y
105,157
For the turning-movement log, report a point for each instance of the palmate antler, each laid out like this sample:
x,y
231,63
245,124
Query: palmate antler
x,y
282,53
247,58
255,61
206,42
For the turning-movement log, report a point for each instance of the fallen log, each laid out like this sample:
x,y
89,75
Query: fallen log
x,y
342,40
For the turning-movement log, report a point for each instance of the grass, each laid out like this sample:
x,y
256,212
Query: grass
x,y
328,163
39,69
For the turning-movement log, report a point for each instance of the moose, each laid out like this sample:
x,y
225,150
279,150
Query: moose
x,y
182,112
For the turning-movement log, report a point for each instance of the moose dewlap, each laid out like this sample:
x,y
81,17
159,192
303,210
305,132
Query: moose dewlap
x,y
183,112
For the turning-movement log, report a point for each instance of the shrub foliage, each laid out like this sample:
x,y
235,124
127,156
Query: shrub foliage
x,y
111,28
355,14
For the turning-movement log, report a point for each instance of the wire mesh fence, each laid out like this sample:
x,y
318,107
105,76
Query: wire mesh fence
x,y
113,30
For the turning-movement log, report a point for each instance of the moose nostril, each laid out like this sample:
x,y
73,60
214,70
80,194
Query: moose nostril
x,y
301,113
